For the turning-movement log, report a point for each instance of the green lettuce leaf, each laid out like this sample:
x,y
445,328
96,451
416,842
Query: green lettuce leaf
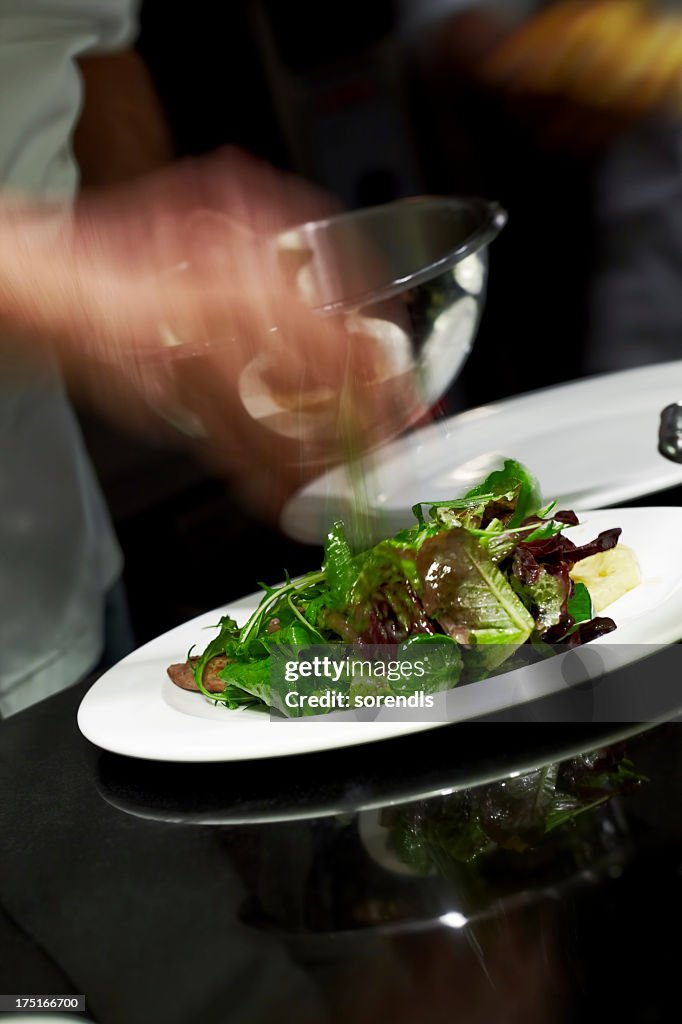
x,y
580,604
513,485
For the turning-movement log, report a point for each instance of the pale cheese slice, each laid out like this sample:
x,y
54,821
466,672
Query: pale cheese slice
x,y
608,575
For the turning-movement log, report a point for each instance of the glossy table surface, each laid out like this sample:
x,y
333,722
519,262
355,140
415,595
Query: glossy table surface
x,y
412,879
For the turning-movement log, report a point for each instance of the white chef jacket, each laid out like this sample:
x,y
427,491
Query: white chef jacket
x,y
58,552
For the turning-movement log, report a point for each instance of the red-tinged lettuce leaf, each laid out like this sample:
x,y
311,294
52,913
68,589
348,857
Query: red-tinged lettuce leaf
x,y
390,615
562,609
383,603
606,540
540,574
465,592
560,550
587,631
606,772
546,596
566,516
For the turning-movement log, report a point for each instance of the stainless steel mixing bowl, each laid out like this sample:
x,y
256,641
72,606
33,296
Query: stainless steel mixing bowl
x,y
412,273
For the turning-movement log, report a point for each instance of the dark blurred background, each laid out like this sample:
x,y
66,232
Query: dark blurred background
x,y
335,93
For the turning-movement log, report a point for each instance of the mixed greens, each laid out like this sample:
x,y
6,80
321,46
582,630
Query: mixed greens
x,y
485,577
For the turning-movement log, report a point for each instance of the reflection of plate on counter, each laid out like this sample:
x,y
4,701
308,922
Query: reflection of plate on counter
x,y
468,898
455,859
420,767
591,443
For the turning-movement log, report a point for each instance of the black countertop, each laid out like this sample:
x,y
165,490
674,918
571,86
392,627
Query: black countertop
x,y
297,889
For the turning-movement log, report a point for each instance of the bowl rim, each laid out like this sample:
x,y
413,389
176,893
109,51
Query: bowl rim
x,y
492,217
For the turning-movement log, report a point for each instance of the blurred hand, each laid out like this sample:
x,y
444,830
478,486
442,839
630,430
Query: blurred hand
x,y
160,295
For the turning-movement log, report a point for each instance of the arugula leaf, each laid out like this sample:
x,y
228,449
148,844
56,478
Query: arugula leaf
x,y
545,530
338,565
273,597
226,638
246,677
567,809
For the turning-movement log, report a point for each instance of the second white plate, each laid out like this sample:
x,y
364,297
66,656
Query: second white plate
x,y
591,443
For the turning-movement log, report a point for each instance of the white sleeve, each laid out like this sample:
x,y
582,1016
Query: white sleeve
x,y
118,24
113,23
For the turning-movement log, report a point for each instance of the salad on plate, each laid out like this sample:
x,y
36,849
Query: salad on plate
x,y
478,585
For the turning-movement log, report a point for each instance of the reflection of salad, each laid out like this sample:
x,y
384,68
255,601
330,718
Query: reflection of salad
x,y
478,582
515,815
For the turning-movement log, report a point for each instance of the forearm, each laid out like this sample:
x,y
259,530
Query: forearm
x,y
30,269
51,303
121,136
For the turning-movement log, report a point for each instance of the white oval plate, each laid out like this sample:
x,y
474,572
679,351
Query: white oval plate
x,y
591,443
134,709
